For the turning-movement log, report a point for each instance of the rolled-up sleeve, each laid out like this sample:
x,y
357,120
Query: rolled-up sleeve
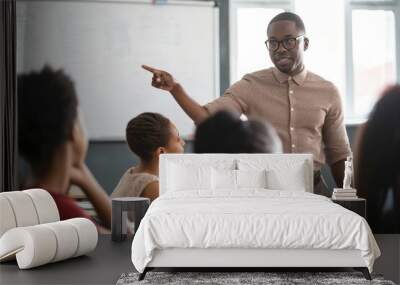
x,y
234,99
334,133
335,138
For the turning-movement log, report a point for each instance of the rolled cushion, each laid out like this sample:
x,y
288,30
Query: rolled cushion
x,y
87,235
40,244
23,208
33,246
66,238
7,218
46,208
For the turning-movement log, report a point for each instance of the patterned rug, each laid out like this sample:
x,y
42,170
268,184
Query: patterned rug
x,y
273,278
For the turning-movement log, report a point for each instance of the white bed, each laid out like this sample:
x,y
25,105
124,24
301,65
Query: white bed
x,y
195,223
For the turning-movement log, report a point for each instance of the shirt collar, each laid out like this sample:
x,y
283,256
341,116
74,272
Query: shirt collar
x,y
283,77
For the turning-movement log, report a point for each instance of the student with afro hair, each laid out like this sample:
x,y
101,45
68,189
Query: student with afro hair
x,y
53,143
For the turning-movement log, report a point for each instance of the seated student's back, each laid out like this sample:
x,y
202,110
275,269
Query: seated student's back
x,y
377,163
148,135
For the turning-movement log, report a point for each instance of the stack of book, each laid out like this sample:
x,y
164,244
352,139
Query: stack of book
x,y
344,194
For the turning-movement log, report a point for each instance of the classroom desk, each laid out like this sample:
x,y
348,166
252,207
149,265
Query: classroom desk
x,y
104,265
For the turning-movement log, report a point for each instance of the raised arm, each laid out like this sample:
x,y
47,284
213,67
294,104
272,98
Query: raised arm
x,y
165,81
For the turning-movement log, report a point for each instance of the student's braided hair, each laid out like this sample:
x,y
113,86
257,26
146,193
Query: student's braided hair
x,y
147,132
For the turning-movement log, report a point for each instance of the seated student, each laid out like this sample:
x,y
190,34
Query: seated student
x,y
148,135
377,163
225,133
53,143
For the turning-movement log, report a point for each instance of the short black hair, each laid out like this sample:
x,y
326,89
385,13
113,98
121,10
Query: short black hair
x,y
47,110
224,132
288,16
147,132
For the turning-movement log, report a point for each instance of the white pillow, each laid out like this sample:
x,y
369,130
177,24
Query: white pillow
x,y
251,178
222,164
281,174
183,177
294,180
223,179
231,180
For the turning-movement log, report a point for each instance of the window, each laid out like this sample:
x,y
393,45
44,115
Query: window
x,y
374,56
251,52
248,51
326,54
352,44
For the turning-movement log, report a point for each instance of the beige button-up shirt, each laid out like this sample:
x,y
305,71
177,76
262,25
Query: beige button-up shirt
x,y
305,109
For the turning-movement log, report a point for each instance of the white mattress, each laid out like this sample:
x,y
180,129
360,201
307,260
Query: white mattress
x,y
252,219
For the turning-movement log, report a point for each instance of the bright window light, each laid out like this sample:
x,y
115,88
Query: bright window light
x,y
326,31
374,56
252,55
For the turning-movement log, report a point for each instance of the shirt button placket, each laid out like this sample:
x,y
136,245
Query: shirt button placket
x,y
291,116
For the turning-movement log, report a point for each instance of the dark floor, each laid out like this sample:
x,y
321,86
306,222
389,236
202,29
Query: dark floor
x,y
110,260
102,266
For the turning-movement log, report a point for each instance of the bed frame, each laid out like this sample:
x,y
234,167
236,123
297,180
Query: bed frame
x,y
248,259
260,259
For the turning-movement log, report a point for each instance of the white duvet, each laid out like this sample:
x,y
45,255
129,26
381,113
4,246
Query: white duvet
x,y
251,219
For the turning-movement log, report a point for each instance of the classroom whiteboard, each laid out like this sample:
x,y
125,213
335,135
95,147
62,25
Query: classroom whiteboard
x,y
102,45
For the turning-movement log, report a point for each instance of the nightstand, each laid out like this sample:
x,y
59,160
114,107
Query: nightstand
x,y
357,205
135,207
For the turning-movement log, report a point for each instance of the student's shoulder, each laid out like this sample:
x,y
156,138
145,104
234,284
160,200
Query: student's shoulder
x,y
125,183
133,173
152,185
151,190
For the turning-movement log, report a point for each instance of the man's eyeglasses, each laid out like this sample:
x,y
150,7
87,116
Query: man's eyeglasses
x,y
288,43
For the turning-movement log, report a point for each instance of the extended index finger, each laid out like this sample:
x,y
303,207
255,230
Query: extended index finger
x,y
149,68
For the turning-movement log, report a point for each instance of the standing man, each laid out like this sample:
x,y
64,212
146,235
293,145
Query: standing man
x,y
304,108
